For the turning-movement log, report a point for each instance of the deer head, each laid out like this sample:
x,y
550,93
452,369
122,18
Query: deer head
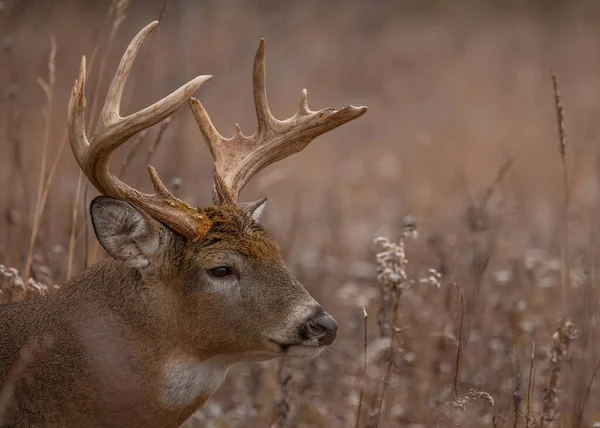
x,y
215,277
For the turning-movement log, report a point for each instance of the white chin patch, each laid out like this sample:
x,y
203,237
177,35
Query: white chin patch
x,y
186,380
301,351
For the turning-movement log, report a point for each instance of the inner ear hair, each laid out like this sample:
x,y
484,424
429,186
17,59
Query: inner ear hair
x,y
255,209
127,234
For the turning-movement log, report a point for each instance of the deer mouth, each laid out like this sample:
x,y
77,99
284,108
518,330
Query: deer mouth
x,y
298,350
304,351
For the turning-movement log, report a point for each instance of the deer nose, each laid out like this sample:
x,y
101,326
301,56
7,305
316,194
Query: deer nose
x,y
322,327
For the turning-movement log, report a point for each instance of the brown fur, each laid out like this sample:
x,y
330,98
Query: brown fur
x,y
113,327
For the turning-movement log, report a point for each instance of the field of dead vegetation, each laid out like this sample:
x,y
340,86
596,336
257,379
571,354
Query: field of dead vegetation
x,y
461,214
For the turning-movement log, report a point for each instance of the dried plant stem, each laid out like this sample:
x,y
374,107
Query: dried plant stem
x,y
131,153
294,227
17,172
144,58
48,88
386,382
495,186
560,120
517,398
53,169
86,189
74,216
94,256
364,377
559,348
44,198
103,29
530,386
587,395
283,405
118,8
460,338
388,372
161,131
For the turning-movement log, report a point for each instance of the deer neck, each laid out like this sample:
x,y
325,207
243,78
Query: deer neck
x,y
130,331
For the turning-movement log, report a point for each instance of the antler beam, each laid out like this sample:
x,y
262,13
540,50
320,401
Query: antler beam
x,y
239,158
113,130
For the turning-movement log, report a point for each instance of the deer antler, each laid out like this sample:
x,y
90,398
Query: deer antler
x,y
113,130
239,158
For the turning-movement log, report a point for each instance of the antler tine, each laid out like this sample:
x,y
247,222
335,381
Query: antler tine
x,y
112,126
259,84
77,135
239,158
113,130
112,104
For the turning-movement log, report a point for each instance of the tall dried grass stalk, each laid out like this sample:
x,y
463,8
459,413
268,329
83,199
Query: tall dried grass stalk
x,y
94,255
561,339
460,338
517,400
146,53
587,395
283,405
392,355
73,232
364,374
530,386
495,185
117,9
294,226
48,88
48,183
84,205
100,36
562,146
17,202
157,140
139,138
560,116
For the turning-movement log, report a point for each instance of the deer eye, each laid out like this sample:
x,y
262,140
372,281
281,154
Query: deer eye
x,y
220,271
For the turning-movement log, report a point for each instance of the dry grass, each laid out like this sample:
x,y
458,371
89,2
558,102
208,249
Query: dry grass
x,y
459,144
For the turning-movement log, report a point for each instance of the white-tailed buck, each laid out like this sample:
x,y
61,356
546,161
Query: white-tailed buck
x,y
144,338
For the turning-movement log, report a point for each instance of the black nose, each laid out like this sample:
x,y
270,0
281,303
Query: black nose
x,y
322,326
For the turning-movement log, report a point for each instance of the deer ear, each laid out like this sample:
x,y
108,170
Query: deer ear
x,y
125,233
255,209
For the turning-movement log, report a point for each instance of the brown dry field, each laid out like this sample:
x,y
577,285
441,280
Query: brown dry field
x,y
461,134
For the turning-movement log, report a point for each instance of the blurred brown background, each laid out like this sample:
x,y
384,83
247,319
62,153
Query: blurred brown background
x,y
461,134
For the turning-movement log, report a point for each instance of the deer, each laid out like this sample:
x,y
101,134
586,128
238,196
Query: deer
x,y
144,337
